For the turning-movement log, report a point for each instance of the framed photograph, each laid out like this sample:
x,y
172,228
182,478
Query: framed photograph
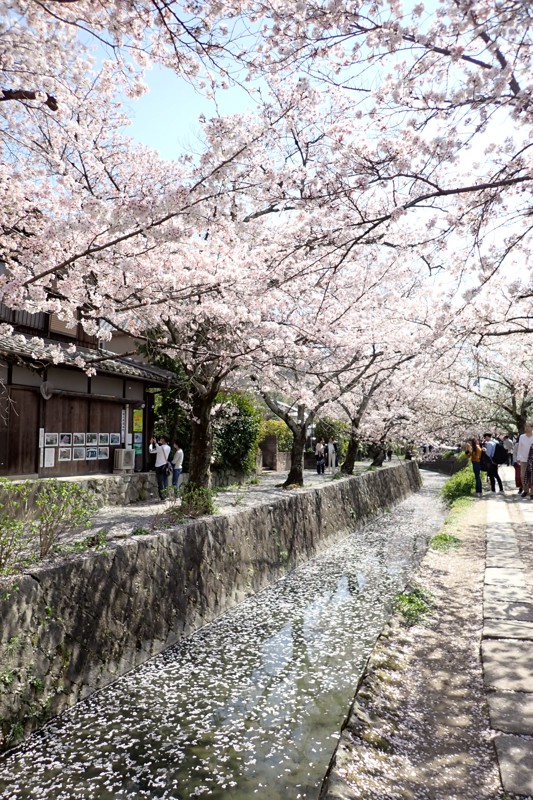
x,y
103,438
51,439
78,438
91,454
91,438
114,438
65,440
65,453
103,452
137,438
78,453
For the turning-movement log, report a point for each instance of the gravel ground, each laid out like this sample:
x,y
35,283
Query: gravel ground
x,y
121,521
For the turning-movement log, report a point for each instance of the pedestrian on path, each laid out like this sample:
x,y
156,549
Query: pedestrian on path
x,y
177,466
508,445
528,478
517,468
332,455
489,446
162,450
473,452
320,457
522,454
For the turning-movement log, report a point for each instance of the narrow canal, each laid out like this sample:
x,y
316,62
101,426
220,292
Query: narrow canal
x,y
249,707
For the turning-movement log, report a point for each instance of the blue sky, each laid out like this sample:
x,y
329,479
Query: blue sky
x,y
166,118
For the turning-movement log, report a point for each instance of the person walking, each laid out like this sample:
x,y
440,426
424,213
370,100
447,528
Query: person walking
x,y
508,444
473,452
177,466
320,457
489,446
522,455
528,477
331,454
517,470
162,450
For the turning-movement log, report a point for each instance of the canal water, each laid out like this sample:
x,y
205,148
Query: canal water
x,y
250,706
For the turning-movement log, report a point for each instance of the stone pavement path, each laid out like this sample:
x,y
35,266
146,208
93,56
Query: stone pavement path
x,y
507,646
445,708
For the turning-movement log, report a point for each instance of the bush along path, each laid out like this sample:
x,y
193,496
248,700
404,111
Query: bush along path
x,y
420,725
36,516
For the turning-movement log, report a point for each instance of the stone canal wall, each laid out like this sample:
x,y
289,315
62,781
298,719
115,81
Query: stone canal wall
x,y
71,628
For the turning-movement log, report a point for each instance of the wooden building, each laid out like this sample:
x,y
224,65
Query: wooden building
x,y
55,420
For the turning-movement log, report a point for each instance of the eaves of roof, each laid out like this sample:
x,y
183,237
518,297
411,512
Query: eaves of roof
x,y
103,361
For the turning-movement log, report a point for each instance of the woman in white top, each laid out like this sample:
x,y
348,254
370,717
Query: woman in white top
x,y
331,454
177,466
524,445
162,450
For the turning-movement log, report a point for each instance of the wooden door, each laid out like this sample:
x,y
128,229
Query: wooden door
x,y
23,432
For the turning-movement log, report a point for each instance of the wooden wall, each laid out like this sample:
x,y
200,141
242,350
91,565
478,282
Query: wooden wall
x,y
23,412
19,432
81,415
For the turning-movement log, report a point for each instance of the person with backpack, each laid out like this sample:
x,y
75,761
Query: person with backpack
x,y
493,450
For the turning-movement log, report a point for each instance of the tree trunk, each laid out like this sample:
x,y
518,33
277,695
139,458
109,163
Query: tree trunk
x,y
520,421
378,454
296,472
351,455
201,439
353,445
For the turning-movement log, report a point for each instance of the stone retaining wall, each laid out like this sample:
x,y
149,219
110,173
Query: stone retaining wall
x,y
137,487
71,628
121,490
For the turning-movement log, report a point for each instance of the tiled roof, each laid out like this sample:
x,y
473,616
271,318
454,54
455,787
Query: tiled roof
x,y
103,361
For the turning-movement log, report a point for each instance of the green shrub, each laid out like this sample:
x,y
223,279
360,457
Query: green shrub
x,y
444,542
14,534
33,516
60,506
237,432
279,429
461,484
414,605
196,501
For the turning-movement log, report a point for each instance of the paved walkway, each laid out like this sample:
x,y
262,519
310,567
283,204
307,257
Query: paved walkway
x,y
507,639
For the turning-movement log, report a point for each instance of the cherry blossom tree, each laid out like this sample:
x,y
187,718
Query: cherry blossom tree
x,y
396,162
495,384
403,146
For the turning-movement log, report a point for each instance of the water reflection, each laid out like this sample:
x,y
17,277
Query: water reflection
x,y
251,705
